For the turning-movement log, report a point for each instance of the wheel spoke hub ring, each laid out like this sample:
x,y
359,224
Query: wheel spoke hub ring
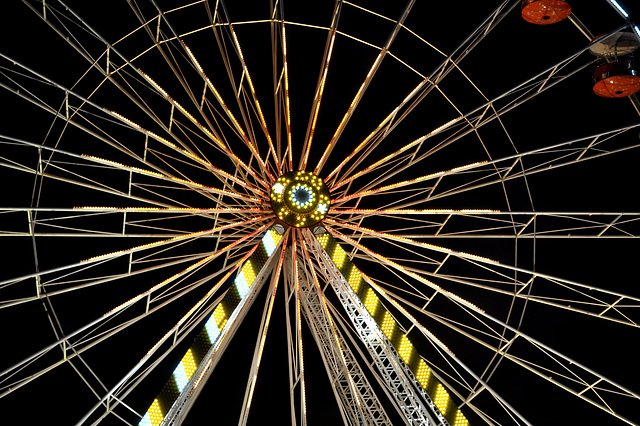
x,y
299,199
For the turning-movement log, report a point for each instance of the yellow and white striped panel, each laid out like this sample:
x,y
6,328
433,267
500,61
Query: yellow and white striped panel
x,y
393,332
211,331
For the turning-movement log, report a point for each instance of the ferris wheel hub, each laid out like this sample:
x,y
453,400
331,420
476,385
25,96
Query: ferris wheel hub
x,y
300,199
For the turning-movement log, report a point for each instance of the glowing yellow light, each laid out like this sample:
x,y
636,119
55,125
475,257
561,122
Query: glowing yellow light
x,y
148,245
355,278
388,325
125,119
460,420
423,374
263,122
220,316
154,84
193,58
163,140
276,237
411,181
155,414
247,271
323,240
299,199
189,364
319,97
371,302
165,177
339,256
412,211
406,349
442,398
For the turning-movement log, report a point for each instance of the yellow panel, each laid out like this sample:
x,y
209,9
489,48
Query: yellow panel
x,y
338,256
423,374
406,349
371,302
275,237
323,240
155,414
388,325
461,420
442,398
220,316
355,278
247,272
189,364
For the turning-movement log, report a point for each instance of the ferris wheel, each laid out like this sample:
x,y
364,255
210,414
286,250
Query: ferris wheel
x,y
353,212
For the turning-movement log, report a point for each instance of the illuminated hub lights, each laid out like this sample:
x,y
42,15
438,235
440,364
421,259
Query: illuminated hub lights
x,y
300,199
301,196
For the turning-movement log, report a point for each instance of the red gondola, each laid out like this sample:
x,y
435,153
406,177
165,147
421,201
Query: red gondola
x,y
544,12
614,75
616,79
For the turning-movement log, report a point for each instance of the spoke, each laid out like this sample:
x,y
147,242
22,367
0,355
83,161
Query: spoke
x,y
119,253
543,159
261,117
264,326
590,300
324,70
424,87
141,222
360,93
298,330
9,372
478,117
585,377
155,348
287,101
482,223
164,94
222,324
211,87
168,178
394,186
